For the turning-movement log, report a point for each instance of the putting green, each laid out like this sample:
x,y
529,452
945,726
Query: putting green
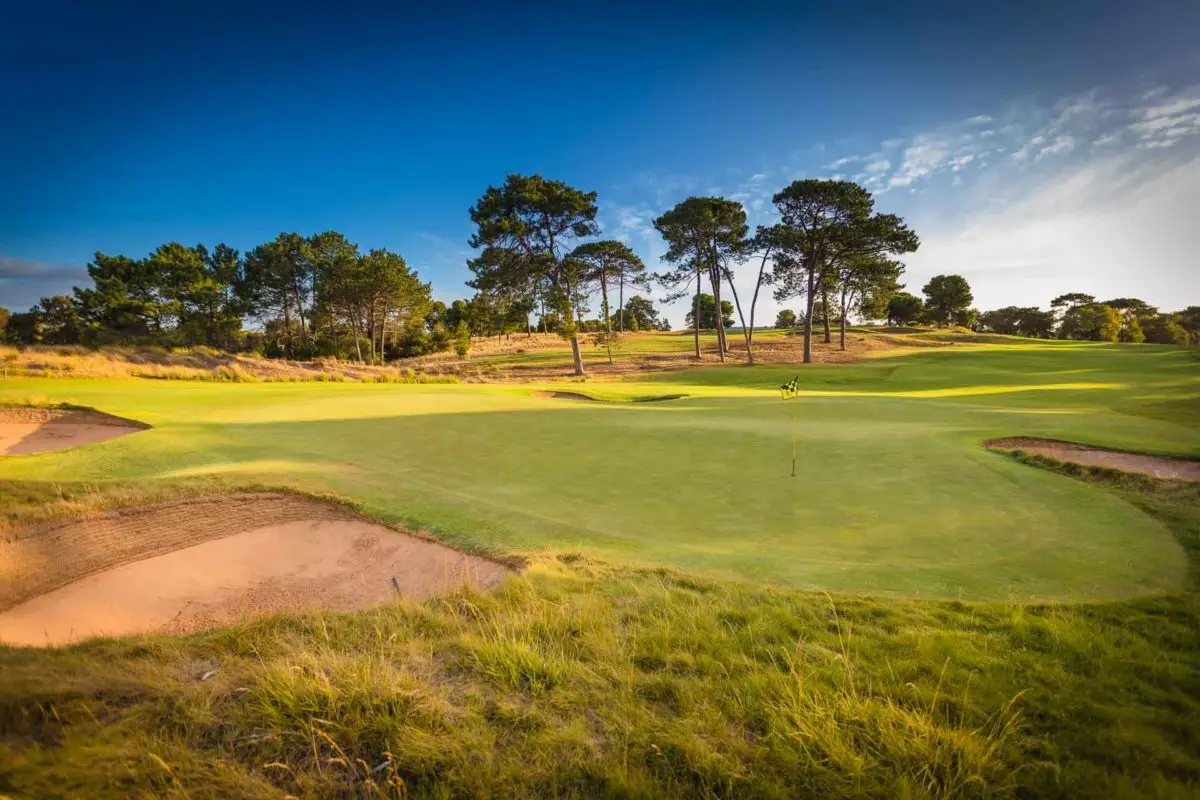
x,y
894,493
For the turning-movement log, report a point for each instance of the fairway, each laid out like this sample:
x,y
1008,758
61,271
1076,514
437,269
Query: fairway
x,y
894,494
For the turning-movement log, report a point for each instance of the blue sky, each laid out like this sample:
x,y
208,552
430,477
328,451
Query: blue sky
x,y
1037,148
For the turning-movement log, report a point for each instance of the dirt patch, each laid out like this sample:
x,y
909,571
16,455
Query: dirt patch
x,y
40,430
1180,469
205,563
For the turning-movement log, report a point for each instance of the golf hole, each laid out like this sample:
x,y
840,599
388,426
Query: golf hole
x,y
206,563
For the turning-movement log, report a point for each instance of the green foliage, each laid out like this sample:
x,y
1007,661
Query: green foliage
x,y
1166,329
1131,331
947,298
639,314
904,309
826,227
462,340
708,312
786,318
1091,322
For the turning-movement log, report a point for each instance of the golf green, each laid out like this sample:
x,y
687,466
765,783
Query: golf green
x,y
893,492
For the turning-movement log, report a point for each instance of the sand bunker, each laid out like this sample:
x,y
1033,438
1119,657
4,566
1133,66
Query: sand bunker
x,y
653,398
206,563
1155,466
564,396
38,430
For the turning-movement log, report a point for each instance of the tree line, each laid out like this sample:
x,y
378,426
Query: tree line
x,y
540,263
536,238
1075,315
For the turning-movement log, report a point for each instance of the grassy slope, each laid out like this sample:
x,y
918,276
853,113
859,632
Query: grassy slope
x,y
893,493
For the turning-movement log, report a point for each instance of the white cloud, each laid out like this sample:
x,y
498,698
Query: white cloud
x,y
980,120
1062,144
1111,227
927,154
882,165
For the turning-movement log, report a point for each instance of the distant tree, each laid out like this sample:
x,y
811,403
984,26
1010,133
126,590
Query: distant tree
x,y
23,328
1092,322
826,223
704,235
4,317
526,228
58,320
279,283
1018,321
947,298
1062,305
860,278
606,262
1131,331
1132,307
904,309
1036,323
764,245
1189,320
708,312
786,318
1166,329
1071,300
1005,320
462,339
639,314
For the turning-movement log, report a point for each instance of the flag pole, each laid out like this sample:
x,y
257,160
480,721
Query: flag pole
x,y
795,428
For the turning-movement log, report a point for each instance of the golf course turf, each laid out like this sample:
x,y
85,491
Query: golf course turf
x,y
911,615
894,493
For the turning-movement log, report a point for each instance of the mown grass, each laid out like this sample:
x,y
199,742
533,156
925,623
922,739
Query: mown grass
x,y
584,679
894,493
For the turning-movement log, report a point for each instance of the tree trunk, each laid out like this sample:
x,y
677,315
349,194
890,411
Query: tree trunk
x,y
809,315
754,302
715,279
696,311
842,332
578,359
825,315
742,317
607,318
621,303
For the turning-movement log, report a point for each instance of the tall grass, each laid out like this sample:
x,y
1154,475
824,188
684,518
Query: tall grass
x,y
195,364
582,679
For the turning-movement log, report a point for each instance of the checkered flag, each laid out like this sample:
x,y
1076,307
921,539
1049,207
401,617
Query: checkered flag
x,y
791,388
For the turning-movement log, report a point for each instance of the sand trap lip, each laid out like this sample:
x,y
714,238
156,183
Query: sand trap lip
x,y
200,564
40,430
1180,469
580,396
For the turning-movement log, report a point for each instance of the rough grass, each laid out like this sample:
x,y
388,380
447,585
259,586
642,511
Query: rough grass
x,y
195,364
584,679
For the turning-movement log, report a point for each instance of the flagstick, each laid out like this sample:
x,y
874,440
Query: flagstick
x,y
795,428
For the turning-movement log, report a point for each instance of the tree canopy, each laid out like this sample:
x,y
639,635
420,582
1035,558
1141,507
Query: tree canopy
x,y
828,223
526,228
947,298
